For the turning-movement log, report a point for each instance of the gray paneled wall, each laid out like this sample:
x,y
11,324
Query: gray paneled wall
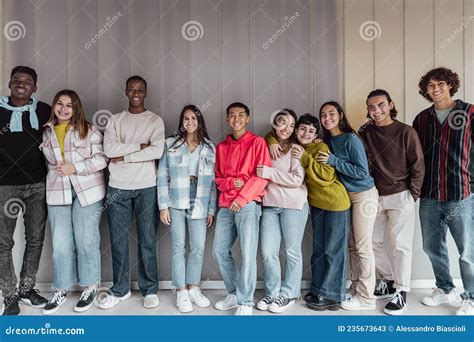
x,y
268,54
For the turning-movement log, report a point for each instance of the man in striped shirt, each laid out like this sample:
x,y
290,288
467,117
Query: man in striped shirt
x,y
447,197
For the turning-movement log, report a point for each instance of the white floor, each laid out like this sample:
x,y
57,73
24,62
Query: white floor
x,y
134,306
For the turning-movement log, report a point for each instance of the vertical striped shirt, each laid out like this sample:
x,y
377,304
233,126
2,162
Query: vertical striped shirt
x,y
448,150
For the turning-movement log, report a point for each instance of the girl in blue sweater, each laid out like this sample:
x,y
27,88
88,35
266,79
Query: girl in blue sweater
x,y
349,159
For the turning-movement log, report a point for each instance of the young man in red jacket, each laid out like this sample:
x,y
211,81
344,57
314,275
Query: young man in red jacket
x,y
240,195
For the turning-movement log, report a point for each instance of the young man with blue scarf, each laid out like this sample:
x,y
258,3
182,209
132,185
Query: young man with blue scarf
x,y
22,186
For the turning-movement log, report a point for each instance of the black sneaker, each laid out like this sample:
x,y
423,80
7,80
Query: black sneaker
x,y
10,306
384,289
319,303
86,300
398,304
309,297
264,303
32,298
59,297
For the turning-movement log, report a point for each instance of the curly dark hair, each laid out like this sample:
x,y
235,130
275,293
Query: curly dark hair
x,y
439,74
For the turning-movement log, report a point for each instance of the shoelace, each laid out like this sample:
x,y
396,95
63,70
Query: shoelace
x,y
267,300
398,298
199,293
58,296
87,293
182,298
381,287
10,300
281,301
437,292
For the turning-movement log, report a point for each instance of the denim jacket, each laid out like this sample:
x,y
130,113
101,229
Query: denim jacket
x,y
174,179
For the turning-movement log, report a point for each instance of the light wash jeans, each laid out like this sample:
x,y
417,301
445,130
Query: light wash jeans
x,y
245,225
436,218
76,243
289,223
191,273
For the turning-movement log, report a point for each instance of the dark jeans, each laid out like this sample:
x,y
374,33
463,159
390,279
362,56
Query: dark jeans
x,y
458,216
31,198
330,249
119,205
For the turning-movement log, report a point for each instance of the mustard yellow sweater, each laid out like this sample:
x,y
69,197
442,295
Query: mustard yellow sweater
x,y
325,190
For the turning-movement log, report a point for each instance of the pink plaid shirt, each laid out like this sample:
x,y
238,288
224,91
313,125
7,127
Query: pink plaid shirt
x,y
88,158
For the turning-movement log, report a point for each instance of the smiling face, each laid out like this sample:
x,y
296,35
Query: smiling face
x,y
330,117
190,122
439,91
22,86
306,134
284,127
237,119
63,109
379,109
136,93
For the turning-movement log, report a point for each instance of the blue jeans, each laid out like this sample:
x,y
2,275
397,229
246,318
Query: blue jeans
x,y
119,214
330,249
191,274
458,216
76,243
289,223
245,225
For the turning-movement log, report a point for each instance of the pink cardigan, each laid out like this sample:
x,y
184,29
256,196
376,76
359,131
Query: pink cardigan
x,y
286,188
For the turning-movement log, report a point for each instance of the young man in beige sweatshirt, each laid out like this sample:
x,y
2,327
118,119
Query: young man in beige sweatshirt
x,y
134,141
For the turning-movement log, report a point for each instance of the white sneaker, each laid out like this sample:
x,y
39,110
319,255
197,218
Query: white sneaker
x,y
228,303
438,297
151,301
467,308
196,296
281,304
244,310
183,302
352,303
111,300
264,303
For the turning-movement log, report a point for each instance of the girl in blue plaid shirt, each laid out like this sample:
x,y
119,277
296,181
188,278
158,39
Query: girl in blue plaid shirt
x,y
187,194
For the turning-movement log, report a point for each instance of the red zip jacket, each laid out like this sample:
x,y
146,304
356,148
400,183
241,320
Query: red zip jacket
x,y
239,159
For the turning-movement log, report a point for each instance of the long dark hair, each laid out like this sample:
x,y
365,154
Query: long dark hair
x,y
285,112
78,119
181,133
344,124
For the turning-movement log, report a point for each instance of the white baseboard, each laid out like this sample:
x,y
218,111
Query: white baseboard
x,y
219,284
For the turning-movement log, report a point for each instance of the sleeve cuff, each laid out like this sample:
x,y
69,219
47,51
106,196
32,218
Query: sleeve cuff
x,y
332,160
127,158
241,201
267,172
80,168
